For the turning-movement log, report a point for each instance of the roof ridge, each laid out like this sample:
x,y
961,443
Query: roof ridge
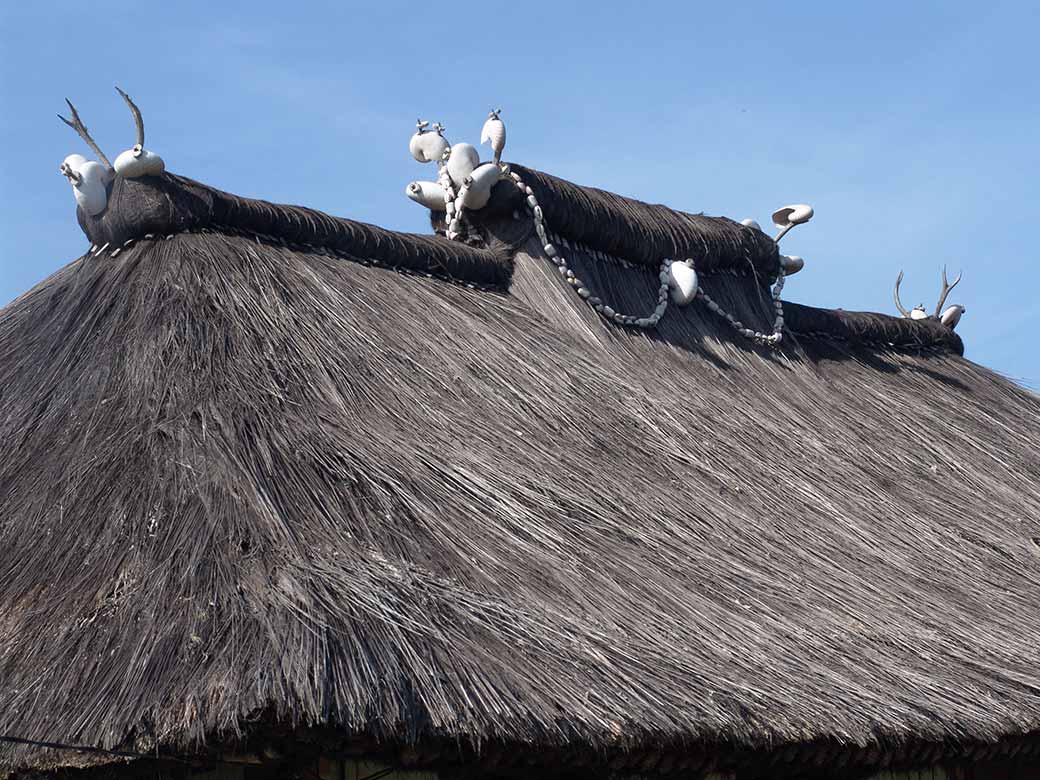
x,y
171,204
643,233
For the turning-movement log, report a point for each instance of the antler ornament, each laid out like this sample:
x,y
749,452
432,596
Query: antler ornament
x,y
949,318
77,124
137,161
946,288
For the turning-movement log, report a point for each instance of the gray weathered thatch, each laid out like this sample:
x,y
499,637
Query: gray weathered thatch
x,y
263,469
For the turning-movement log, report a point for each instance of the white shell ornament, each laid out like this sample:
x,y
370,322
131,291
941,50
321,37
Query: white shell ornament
x,y
952,316
918,312
787,217
89,179
462,161
750,223
682,279
494,132
791,264
137,162
426,193
91,191
415,148
797,214
428,147
478,186
71,163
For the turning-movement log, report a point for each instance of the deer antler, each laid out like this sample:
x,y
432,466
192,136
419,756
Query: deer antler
x,y
899,305
137,117
77,125
946,290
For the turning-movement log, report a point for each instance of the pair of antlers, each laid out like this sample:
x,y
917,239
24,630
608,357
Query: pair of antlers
x,y
77,124
946,288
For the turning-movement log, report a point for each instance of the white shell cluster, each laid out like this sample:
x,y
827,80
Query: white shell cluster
x,y
89,182
462,181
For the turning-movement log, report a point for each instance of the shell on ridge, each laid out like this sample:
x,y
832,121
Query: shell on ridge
x,y
462,161
426,193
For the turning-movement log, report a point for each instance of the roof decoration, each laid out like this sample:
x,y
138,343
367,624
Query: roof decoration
x,y
137,199
450,434
677,276
91,181
426,146
494,133
463,182
788,217
950,317
138,161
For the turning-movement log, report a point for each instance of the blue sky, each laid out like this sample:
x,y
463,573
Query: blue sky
x,y
912,128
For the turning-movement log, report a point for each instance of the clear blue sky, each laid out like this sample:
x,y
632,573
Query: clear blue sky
x,y
913,128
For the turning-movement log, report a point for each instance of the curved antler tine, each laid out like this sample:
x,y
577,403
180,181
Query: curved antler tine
x,y
81,130
946,287
899,305
138,120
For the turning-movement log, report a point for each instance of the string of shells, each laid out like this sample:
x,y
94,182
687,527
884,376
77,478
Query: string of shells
x,y
579,286
667,272
463,182
768,339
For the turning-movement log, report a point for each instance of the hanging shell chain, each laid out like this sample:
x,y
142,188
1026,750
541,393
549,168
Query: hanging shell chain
x,y
453,214
581,287
768,339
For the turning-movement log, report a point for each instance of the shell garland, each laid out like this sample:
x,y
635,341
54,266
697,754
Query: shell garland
x,y
579,286
768,339
651,320
454,180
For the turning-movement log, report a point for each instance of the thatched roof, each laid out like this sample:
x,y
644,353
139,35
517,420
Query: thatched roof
x,y
264,466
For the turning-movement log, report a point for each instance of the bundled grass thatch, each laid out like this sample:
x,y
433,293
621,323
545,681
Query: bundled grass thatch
x,y
246,476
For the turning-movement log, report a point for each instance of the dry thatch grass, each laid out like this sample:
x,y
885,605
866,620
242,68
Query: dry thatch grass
x,y
242,477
